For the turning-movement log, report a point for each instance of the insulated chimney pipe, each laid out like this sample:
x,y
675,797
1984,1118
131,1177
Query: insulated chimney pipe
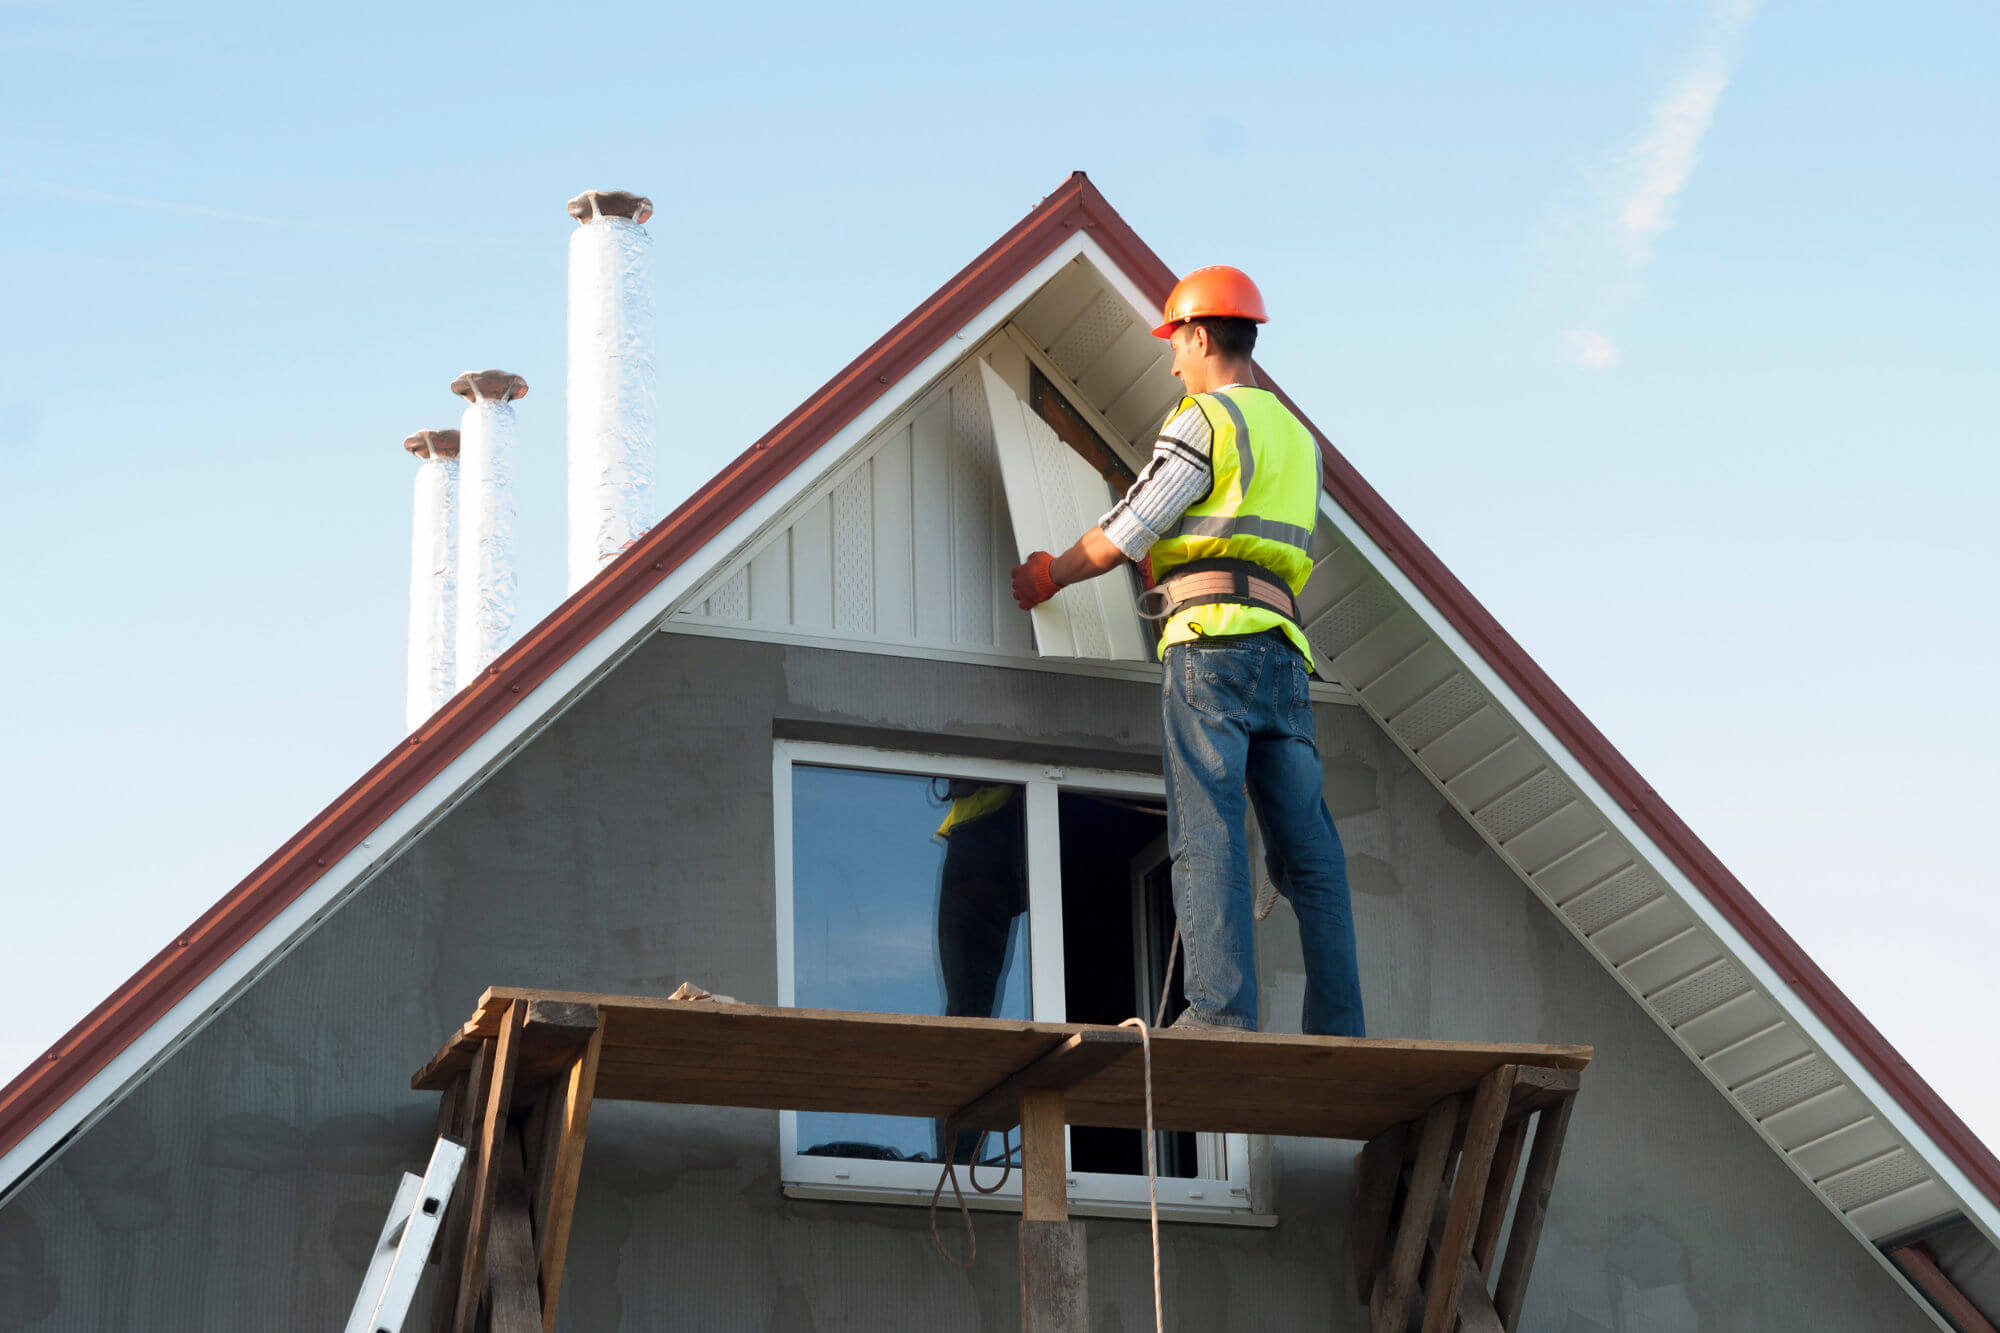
x,y
611,378
486,516
433,576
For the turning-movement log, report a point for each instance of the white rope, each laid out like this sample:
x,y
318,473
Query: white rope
x,y
1152,1172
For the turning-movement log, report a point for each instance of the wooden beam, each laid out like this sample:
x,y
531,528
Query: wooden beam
x,y
1536,1087
1920,1265
1072,1060
513,1294
1044,1174
1551,1125
562,1159
1468,1192
1377,1173
1499,1189
554,1034
1395,1288
486,1176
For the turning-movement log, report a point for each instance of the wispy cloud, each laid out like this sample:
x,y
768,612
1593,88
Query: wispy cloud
x,y
1640,193
109,199
1591,349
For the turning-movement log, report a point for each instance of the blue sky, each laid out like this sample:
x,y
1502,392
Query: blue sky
x,y
243,250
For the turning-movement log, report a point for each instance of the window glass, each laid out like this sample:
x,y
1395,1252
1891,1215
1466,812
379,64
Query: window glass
x,y
909,895
1118,931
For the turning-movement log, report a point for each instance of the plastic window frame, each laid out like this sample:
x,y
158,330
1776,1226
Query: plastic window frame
x,y
1097,1194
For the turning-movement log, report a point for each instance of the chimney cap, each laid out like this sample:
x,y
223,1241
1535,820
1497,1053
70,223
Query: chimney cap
x,y
491,386
433,443
594,204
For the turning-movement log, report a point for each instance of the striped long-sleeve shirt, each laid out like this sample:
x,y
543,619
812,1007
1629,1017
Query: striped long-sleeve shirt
x,y
1178,474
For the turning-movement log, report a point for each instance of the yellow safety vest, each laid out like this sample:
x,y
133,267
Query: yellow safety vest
x,y
1262,508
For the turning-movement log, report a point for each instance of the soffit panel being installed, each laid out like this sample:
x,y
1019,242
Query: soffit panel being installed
x,y
1053,495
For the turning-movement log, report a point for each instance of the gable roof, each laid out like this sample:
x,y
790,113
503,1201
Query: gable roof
x,y
85,1065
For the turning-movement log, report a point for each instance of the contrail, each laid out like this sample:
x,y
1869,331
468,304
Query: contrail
x,y
1660,164
78,194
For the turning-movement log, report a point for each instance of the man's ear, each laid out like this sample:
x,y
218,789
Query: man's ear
x,y
1198,343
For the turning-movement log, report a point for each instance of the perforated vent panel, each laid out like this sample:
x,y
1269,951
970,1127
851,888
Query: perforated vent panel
x,y
731,598
1353,616
854,553
1715,984
1090,335
1437,712
1520,809
1876,1180
1619,896
1786,1087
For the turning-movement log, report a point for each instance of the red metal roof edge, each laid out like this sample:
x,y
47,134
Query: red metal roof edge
x,y
176,970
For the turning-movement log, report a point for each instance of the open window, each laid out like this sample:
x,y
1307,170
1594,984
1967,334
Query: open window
x,y
929,884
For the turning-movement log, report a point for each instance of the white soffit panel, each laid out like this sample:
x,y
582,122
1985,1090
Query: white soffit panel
x,y
1053,497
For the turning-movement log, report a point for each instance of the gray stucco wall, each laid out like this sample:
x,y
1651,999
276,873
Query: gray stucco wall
x,y
629,848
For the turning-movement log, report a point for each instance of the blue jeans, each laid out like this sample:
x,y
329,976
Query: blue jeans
x,y
1234,712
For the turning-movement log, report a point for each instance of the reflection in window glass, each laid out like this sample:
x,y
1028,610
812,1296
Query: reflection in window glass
x,y
909,895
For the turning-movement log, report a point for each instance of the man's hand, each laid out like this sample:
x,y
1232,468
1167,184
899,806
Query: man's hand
x,y
1033,582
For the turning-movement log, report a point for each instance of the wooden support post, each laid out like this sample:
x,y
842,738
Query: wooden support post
x,y
478,1199
513,1294
1468,1191
1499,1188
1377,1173
1536,1184
567,1120
1394,1288
1054,1270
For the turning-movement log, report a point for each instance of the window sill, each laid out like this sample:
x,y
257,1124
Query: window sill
x,y
1003,1203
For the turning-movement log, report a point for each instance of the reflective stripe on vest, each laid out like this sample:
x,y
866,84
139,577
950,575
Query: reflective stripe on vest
x,y
1264,501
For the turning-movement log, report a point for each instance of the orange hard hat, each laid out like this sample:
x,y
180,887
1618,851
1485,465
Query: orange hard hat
x,y
1215,290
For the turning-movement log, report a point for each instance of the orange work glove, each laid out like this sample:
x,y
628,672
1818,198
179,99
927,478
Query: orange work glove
x,y
1033,583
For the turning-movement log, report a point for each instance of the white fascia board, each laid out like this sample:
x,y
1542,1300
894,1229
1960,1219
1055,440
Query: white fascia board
x,y
541,706
1970,1198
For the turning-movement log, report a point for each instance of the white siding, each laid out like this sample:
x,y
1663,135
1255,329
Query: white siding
x,y
909,543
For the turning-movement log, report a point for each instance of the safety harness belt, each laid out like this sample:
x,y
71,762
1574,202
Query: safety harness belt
x,y
1217,581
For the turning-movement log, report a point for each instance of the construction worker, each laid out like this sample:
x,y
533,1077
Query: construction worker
x,y
1226,509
